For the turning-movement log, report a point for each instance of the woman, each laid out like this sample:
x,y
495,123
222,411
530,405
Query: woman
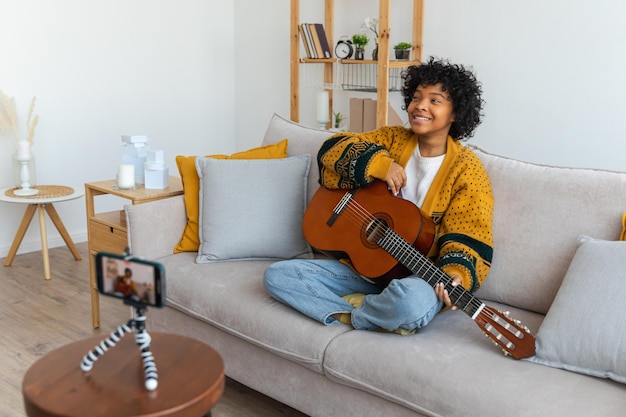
x,y
426,164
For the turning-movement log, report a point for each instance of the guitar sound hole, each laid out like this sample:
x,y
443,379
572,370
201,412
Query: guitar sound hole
x,y
372,231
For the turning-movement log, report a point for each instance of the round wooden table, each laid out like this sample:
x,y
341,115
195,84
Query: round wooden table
x,y
191,380
41,202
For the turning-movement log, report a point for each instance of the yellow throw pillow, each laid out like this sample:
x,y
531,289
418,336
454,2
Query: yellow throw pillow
x,y
623,235
189,241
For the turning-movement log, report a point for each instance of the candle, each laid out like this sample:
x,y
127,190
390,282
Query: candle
x,y
322,107
23,150
126,176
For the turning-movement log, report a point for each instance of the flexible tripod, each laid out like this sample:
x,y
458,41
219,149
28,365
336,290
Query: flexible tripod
x,y
142,338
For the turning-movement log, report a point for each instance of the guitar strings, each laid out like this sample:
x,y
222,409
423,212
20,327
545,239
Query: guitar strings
x,y
490,321
358,215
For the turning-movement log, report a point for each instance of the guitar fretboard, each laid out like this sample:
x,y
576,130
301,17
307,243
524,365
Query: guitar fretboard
x,y
421,266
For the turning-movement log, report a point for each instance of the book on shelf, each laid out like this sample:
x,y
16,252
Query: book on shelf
x,y
304,41
309,39
323,40
315,40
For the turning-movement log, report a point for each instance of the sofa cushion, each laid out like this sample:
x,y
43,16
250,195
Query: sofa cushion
x,y
189,241
585,329
231,297
302,141
450,369
252,209
539,212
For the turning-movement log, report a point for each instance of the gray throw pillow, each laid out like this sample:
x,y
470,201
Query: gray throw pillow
x,y
585,328
252,209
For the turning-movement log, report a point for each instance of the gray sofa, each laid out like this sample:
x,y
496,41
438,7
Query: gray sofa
x,y
447,369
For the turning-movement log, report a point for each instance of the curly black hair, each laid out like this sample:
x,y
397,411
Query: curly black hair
x,y
465,92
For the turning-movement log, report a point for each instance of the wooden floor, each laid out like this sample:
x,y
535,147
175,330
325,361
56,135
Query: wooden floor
x,y
37,316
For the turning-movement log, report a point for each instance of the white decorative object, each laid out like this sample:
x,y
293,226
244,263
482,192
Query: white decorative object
x,y
126,176
155,172
323,109
17,171
24,159
136,139
23,150
134,152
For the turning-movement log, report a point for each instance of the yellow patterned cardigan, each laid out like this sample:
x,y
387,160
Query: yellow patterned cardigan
x,y
460,199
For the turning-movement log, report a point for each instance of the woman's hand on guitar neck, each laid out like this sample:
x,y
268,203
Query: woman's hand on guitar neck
x,y
442,293
396,178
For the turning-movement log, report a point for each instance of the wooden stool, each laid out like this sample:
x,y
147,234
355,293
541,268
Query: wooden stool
x,y
191,380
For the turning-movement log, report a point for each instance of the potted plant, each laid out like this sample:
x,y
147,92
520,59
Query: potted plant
x,y
359,41
338,118
403,50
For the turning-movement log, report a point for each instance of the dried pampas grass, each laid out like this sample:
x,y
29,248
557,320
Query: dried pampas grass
x,y
9,122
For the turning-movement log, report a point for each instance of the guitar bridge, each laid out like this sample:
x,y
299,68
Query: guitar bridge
x,y
341,205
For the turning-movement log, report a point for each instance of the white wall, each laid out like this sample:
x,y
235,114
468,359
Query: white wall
x,y
552,71
205,76
102,69
261,67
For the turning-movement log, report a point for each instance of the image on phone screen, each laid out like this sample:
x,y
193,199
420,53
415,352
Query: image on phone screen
x,y
130,279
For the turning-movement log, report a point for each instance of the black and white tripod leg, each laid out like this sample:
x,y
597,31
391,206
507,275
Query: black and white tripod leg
x,y
143,339
103,347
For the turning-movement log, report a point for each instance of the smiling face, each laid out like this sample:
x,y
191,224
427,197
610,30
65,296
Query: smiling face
x,y
431,113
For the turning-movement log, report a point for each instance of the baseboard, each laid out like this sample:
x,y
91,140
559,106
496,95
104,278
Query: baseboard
x,y
34,244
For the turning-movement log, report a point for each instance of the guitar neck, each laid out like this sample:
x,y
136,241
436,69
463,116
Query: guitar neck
x,y
421,266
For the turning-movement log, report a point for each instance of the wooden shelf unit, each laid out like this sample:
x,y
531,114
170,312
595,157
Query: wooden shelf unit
x,y
383,62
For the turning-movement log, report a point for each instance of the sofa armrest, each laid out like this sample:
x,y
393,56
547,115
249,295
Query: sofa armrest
x,y
154,228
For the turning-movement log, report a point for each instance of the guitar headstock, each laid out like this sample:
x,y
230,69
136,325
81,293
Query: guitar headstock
x,y
510,335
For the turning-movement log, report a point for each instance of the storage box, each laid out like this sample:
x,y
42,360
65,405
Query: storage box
x,y
363,115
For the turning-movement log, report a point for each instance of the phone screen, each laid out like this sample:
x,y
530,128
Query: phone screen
x,y
134,280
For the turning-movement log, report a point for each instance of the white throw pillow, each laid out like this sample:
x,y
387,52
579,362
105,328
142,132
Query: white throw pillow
x,y
252,209
585,328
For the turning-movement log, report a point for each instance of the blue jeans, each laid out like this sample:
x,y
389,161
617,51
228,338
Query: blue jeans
x,y
316,287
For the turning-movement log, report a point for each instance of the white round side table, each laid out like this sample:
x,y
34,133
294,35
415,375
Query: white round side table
x,y
42,202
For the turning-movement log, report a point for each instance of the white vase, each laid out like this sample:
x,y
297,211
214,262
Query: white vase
x,y
17,171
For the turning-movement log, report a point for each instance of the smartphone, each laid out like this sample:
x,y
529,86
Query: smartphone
x,y
136,281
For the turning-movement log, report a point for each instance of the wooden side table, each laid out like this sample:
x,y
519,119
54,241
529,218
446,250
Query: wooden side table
x,y
42,202
191,380
107,231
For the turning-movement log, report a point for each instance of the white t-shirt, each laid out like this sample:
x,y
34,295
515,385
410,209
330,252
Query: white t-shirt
x,y
420,173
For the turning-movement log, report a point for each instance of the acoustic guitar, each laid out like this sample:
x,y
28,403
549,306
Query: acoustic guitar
x,y
374,229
